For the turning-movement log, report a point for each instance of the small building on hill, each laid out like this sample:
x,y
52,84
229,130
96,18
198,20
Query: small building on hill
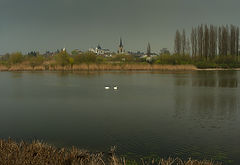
x,y
100,51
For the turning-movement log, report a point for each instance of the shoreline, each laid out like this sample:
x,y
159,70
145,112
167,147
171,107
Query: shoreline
x,y
12,152
218,69
111,67
100,67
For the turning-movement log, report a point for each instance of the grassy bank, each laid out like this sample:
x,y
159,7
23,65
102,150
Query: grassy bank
x,y
97,67
37,153
63,61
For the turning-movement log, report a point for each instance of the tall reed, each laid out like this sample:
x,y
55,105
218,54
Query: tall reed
x,y
38,153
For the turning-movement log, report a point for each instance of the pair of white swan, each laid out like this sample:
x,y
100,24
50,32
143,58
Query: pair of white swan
x,y
114,88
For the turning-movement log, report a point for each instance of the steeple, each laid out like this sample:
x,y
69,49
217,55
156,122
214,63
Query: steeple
x,y
148,50
120,48
98,46
121,45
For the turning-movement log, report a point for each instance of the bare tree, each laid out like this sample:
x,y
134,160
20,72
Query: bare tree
x,y
183,39
232,40
177,43
194,42
206,42
188,48
237,42
213,41
209,41
200,40
220,52
225,40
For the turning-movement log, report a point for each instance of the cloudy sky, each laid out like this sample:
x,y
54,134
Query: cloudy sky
x,y
42,25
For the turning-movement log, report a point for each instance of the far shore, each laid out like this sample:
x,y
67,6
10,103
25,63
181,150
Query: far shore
x,y
100,67
109,67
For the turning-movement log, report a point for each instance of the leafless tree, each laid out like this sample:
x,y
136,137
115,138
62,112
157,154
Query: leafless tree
x,y
213,41
194,42
188,48
237,42
220,51
183,39
177,43
200,40
206,42
232,40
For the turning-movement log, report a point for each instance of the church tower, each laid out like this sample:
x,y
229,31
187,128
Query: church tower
x,y
120,48
148,50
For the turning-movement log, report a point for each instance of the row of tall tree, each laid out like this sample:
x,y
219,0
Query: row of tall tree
x,y
208,41
182,44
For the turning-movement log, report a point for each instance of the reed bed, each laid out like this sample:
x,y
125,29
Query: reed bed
x,y
97,67
37,153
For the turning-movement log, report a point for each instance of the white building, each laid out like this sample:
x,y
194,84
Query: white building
x,y
100,51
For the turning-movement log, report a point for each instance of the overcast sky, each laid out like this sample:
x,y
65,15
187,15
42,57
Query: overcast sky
x,y
42,25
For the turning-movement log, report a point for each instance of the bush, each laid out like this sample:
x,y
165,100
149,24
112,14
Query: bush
x,y
205,64
16,58
36,61
99,59
62,58
227,61
85,58
123,58
174,59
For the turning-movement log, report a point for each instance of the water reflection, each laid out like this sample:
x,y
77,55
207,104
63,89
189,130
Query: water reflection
x,y
214,107
223,79
138,118
228,79
218,101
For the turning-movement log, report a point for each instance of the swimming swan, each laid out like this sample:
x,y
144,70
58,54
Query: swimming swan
x,y
107,87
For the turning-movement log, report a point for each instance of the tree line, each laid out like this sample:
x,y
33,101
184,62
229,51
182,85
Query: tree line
x,y
208,41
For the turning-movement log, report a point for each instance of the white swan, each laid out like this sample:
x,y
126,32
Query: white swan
x,y
106,87
115,87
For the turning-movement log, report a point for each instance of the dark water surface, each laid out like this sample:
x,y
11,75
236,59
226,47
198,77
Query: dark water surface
x,y
184,114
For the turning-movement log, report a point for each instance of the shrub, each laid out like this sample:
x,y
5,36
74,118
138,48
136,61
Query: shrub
x,y
123,58
174,59
205,64
62,58
16,58
36,61
85,58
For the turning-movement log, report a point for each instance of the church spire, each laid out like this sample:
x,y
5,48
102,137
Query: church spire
x,y
121,45
148,50
120,48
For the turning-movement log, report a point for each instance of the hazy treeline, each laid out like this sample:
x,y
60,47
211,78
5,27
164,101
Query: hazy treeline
x,y
208,41
61,59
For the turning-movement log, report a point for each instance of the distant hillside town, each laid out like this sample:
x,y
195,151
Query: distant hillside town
x,y
105,52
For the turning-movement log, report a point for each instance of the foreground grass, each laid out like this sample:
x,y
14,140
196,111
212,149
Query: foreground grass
x,y
37,153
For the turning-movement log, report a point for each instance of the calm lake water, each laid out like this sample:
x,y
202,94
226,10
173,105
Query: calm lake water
x,y
178,114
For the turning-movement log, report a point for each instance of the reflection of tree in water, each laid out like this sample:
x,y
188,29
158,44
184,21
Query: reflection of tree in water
x,y
209,103
223,79
227,105
204,79
203,105
80,73
210,106
227,79
181,82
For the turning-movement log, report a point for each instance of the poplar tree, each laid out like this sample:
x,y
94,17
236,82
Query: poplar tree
x,y
177,43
